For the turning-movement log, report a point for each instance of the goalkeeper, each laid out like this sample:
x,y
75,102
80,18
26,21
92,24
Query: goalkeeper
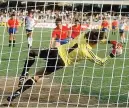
x,y
77,49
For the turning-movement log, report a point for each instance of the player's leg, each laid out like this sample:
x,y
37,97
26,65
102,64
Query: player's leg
x,y
10,36
29,38
121,36
10,39
105,32
113,30
14,38
14,41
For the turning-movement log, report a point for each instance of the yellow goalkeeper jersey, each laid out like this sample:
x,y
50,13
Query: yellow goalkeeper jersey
x,y
78,49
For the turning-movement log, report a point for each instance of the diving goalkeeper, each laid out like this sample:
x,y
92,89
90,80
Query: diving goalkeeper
x,y
76,50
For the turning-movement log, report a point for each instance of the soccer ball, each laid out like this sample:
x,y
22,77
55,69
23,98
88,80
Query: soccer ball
x,y
117,50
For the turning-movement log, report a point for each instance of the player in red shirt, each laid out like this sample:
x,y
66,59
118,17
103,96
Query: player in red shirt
x,y
75,30
12,26
114,26
60,34
105,25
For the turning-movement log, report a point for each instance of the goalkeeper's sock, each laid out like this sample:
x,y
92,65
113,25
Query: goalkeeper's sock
x,y
26,86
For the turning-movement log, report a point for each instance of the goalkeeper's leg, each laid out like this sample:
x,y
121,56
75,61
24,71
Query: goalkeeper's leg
x,y
30,82
54,62
28,63
27,84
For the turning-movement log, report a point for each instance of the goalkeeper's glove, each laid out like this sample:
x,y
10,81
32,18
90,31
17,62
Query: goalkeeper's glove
x,y
115,44
116,49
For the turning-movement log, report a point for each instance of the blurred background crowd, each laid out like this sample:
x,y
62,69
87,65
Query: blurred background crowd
x,y
48,12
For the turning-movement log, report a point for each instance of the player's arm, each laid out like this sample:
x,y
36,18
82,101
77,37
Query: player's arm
x,y
52,41
70,32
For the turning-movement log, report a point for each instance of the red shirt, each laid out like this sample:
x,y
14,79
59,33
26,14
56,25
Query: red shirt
x,y
105,24
60,33
75,30
115,23
13,23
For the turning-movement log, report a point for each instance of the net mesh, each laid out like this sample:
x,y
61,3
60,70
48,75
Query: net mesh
x,y
84,84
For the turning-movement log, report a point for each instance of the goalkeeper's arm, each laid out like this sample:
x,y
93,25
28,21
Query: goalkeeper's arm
x,y
105,41
94,58
113,42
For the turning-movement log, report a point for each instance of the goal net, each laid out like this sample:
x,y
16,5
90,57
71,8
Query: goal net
x,y
83,84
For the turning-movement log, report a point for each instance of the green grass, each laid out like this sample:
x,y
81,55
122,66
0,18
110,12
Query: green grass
x,y
110,82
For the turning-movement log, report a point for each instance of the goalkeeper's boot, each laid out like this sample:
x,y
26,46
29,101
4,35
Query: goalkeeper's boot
x,y
13,96
22,79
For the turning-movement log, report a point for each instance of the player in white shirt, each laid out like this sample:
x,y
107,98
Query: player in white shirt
x,y
122,26
29,24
